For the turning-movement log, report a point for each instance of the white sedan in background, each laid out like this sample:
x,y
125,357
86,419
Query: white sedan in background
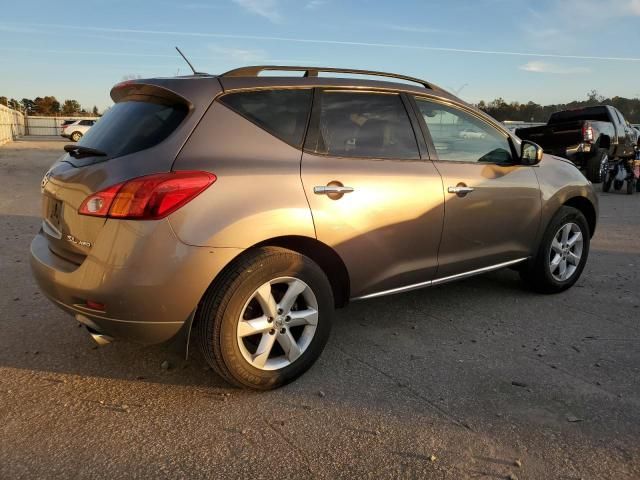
x,y
76,129
467,133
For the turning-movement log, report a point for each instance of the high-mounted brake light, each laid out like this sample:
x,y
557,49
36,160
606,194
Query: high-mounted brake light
x,y
147,198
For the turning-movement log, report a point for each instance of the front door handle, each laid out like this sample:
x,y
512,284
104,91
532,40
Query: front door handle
x,y
332,189
460,190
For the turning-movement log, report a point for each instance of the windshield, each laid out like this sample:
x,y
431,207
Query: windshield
x,y
132,126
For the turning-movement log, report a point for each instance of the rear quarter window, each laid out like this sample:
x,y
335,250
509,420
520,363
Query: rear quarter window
x,y
283,113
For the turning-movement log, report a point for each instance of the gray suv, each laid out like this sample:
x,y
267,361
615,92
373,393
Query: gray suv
x,y
245,208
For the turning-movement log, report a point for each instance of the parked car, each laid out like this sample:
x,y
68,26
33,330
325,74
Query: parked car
x,y
591,137
468,133
248,208
76,129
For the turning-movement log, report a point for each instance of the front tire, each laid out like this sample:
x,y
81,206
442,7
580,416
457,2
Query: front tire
x,y
562,253
76,136
606,185
266,319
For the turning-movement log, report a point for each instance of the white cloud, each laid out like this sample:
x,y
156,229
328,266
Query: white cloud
x,y
237,55
544,67
263,8
412,29
326,41
315,4
546,27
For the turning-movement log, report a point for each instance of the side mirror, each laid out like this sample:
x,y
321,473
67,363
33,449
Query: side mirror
x,y
530,153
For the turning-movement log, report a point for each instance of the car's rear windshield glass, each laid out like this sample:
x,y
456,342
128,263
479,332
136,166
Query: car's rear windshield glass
x,y
595,114
132,125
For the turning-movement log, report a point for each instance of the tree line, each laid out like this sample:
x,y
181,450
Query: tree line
x,y
532,112
48,106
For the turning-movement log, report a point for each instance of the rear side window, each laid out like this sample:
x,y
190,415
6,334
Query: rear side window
x,y
282,113
133,125
366,125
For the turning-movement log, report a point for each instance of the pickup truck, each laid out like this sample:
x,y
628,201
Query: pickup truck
x,y
590,137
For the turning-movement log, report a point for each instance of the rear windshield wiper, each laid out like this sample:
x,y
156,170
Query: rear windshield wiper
x,y
78,151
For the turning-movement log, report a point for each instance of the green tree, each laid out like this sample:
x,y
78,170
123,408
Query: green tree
x,y
70,107
4,101
95,111
46,105
28,105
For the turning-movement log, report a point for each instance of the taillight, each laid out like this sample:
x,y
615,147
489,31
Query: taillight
x,y
587,133
147,198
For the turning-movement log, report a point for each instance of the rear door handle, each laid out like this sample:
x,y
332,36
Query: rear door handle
x,y
328,189
460,190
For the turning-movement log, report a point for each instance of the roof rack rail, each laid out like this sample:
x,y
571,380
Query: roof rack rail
x,y
254,71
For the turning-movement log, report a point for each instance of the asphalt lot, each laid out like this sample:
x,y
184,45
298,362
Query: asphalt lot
x,y
465,380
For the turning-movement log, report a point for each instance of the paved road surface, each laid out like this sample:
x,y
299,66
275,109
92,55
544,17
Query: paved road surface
x,y
458,381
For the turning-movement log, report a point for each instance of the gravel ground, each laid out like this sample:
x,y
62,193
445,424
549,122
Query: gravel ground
x,y
477,379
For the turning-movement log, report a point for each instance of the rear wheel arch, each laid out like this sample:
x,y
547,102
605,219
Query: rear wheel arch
x,y
322,254
586,207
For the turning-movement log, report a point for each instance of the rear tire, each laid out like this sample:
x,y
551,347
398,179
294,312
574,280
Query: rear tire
x,y
565,243
631,187
76,136
597,166
244,332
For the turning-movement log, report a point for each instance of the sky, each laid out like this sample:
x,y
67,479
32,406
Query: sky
x,y
547,51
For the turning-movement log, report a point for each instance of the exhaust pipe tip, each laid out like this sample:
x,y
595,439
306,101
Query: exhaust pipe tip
x,y
99,338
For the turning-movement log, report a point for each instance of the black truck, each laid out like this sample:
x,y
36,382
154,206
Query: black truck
x,y
590,137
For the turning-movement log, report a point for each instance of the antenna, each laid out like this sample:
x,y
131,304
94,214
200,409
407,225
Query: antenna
x,y
189,63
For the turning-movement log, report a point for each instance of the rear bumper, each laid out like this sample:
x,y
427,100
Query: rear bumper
x,y
578,153
149,281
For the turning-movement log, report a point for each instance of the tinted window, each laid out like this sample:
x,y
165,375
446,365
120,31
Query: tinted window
x,y
131,126
460,136
86,123
599,114
283,113
364,125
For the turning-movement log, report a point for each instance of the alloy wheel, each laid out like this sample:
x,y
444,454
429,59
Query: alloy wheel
x,y
277,323
604,167
566,252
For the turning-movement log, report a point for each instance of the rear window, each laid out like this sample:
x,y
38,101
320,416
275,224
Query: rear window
x,y
282,113
131,126
597,114
366,125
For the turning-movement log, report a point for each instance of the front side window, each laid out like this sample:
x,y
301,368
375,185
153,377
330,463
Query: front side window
x,y
282,113
369,125
462,137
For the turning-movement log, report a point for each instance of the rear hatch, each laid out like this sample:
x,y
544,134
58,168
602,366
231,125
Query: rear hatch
x,y
140,135
554,138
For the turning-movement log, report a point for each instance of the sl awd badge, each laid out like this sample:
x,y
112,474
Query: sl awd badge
x,y
75,241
